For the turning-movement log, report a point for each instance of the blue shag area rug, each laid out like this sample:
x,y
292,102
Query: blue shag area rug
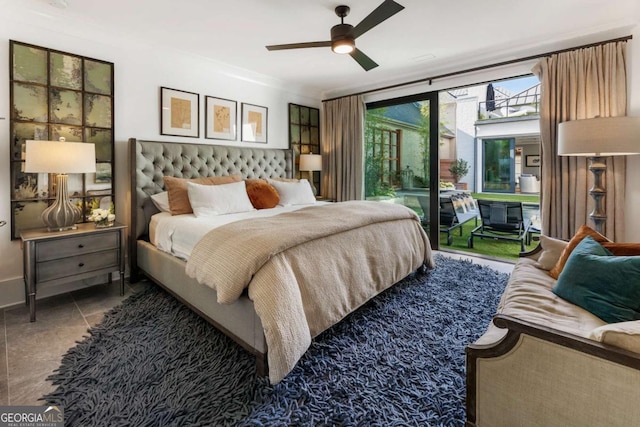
x,y
397,361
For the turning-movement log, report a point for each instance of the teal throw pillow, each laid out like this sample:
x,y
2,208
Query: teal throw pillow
x,y
606,285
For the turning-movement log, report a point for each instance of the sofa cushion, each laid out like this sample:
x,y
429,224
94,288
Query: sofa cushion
x,y
528,297
624,335
606,285
551,251
582,232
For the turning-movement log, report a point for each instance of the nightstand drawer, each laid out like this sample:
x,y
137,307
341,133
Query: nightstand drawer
x,y
62,248
66,267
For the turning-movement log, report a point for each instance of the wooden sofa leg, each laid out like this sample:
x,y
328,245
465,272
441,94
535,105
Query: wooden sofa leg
x,y
262,365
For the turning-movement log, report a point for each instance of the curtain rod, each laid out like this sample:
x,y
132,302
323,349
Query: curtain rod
x,y
480,68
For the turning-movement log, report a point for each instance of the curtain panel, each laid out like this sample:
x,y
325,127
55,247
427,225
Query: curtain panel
x,y
342,139
580,84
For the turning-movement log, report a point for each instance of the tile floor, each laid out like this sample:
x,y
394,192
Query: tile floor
x,y
29,352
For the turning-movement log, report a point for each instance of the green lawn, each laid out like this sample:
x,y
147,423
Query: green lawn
x,y
485,247
524,198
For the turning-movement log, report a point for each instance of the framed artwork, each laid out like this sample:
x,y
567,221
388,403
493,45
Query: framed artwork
x,y
220,118
179,113
532,160
103,173
254,123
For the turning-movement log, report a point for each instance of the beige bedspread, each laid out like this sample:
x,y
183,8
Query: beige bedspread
x,y
306,270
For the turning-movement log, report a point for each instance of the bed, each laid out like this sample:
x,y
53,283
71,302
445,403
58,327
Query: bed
x,y
271,302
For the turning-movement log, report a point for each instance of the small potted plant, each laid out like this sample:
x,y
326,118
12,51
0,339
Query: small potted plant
x,y
459,169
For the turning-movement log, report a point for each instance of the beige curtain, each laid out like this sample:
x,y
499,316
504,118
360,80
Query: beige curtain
x,y
580,84
342,139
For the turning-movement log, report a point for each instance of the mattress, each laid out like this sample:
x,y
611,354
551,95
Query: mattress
x,y
178,234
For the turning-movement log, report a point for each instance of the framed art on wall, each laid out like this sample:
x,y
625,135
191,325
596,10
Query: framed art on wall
x,y
179,113
532,160
254,123
220,118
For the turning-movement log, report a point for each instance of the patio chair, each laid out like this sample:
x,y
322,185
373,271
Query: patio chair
x,y
455,211
500,221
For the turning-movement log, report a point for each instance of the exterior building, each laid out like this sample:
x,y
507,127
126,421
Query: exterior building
x,y
508,142
495,131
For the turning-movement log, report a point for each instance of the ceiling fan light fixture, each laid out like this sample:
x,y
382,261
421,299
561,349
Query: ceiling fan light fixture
x,y
343,36
346,45
342,40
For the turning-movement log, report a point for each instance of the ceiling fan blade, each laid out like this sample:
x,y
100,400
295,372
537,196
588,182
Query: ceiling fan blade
x,y
362,59
386,10
298,45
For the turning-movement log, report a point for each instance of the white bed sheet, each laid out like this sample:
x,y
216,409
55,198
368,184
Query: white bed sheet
x,y
178,234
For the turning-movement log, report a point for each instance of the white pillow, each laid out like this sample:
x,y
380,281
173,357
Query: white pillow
x,y
551,251
161,200
220,199
294,193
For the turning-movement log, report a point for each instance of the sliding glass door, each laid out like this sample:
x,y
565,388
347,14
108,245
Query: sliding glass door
x,y
401,155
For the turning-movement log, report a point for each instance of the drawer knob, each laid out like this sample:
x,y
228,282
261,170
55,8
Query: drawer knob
x,y
81,245
81,264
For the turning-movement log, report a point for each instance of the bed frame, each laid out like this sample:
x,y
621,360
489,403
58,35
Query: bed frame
x,y
149,162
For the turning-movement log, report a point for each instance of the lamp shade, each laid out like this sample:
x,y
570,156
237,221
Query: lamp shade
x,y
310,162
60,157
601,136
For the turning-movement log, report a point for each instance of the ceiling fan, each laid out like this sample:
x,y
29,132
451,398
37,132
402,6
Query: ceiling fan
x,y
343,36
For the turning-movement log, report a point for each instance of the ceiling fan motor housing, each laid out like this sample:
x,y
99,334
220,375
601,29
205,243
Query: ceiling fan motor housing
x,y
341,35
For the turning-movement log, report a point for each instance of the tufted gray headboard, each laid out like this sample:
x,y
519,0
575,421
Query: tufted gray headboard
x,y
151,160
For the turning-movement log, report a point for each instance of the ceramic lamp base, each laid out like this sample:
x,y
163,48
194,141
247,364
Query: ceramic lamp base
x,y
62,214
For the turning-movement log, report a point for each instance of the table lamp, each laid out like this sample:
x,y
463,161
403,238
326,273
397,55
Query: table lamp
x,y
61,158
310,163
597,138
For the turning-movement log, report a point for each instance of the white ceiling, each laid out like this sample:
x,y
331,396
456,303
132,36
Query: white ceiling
x,y
428,36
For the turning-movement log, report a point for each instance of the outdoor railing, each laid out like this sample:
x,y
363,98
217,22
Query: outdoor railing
x,y
517,106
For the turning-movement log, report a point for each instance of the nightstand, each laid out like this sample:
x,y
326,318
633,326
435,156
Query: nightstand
x,y
56,257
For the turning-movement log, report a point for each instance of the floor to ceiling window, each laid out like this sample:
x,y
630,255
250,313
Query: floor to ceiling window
x,y
479,142
399,154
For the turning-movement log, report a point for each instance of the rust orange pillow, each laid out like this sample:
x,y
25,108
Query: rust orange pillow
x,y
177,190
622,249
262,194
582,232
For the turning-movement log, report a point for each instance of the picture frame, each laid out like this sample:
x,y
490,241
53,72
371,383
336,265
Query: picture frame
x,y
532,160
254,123
220,118
179,113
103,173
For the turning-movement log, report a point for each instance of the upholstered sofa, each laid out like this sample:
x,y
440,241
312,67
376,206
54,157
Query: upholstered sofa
x,y
547,362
